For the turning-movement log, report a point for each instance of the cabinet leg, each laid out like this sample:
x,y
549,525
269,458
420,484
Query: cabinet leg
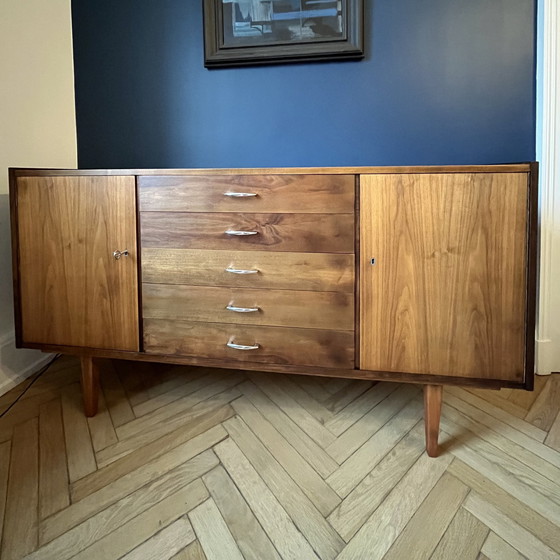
x,y
432,414
90,384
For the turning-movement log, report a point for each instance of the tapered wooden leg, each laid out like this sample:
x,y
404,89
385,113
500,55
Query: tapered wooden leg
x,y
90,384
432,415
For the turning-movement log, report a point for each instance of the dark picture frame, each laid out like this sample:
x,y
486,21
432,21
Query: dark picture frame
x,y
250,32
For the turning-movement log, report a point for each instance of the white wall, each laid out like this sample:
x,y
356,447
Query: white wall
x,y
37,129
548,154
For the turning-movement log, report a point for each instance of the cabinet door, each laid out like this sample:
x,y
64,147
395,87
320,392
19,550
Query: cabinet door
x,y
73,292
446,294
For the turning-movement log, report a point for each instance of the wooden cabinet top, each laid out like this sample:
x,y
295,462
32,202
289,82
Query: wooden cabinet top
x,y
502,168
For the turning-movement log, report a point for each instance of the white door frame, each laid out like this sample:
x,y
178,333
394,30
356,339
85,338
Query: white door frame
x,y
548,154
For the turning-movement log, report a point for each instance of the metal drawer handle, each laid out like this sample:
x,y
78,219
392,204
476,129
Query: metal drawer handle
x,y
118,254
242,309
231,344
241,271
241,233
240,194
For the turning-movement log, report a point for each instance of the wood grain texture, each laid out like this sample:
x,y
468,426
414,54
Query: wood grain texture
x,y
273,481
504,168
278,345
21,516
314,233
432,414
275,193
318,272
90,384
281,308
249,535
53,472
447,294
72,289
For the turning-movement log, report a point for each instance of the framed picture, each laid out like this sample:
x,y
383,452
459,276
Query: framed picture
x,y
247,32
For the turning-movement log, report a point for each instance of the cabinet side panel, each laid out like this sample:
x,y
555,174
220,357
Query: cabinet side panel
x,y
73,292
447,292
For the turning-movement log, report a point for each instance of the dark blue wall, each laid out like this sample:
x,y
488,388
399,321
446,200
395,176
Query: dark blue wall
x,y
443,82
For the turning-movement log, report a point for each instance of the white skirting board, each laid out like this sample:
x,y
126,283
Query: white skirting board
x,y
548,153
16,364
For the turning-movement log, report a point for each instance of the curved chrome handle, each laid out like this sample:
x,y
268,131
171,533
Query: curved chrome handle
x,y
241,271
118,254
231,344
240,233
242,309
240,194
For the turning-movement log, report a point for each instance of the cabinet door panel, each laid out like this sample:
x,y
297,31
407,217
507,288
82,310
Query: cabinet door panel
x,y
73,291
447,292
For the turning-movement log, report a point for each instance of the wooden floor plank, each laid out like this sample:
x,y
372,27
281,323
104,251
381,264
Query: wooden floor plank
x,y
363,429
345,396
379,532
101,427
252,541
173,389
213,533
485,420
221,382
357,409
267,489
53,471
115,396
521,481
314,454
159,431
320,535
21,517
357,466
528,518
5,452
548,469
463,539
355,510
148,453
525,399
514,421
192,552
320,412
495,548
81,459
518,537
493,398
547,405
76,513
420,538
138,530
553,438
308,423
166,543
121,512
278,525
316,489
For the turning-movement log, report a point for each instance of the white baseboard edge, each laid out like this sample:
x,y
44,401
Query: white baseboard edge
x,y
548,357
16,365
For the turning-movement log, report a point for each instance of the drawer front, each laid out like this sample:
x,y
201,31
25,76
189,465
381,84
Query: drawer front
x,y
274,345
322,194
315,233
318,272
284,308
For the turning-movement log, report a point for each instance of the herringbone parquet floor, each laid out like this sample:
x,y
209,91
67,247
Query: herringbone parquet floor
x,y
190,463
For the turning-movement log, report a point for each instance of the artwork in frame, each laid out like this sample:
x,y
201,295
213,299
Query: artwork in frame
x,y
247,32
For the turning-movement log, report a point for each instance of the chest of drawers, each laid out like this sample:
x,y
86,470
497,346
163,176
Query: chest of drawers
x,y
423,275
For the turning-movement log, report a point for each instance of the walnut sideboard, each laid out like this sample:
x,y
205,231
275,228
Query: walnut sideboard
x,y
411,274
